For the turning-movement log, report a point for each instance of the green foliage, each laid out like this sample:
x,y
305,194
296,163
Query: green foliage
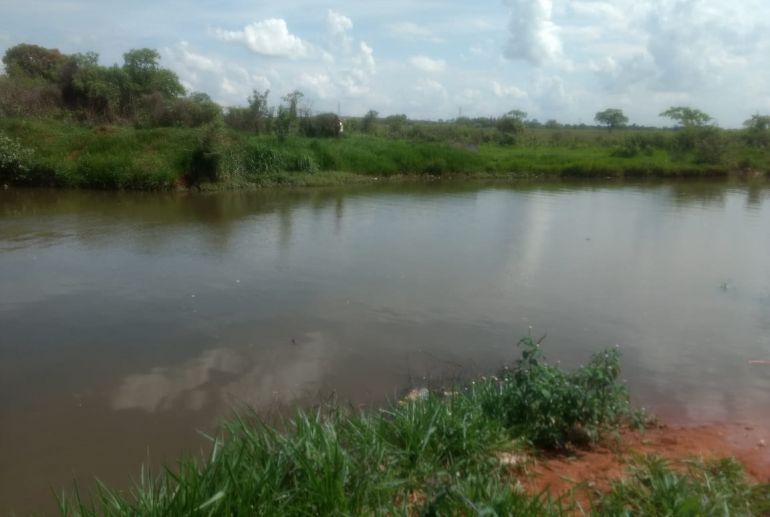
x,y
15,160
686,116
635,145
758,131
717,487
510,125
552,407
206,157
41,81
257,117
33,62
257,158
612,118
369,122
193,111
325,125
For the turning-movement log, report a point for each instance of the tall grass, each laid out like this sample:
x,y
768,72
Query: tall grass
x,y
436,455
64,153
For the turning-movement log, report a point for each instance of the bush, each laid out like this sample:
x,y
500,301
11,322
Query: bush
x,y
206,157
552,407
325,125
14,160
633,146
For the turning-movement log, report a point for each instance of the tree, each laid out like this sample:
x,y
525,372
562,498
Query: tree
x,y
33,62
510,125
687,117
369,121
612,118
146,77
292,101
758,130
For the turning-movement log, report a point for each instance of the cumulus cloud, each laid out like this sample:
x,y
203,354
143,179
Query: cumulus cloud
x,y
338,23
339,27
427,64
534,37
225,81
269,37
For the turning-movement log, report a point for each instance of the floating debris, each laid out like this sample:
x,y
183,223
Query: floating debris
x,y
415,395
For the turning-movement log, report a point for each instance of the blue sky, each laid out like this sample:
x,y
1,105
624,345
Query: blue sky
x,y
561,59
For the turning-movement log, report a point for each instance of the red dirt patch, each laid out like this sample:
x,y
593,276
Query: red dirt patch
x,y
596,469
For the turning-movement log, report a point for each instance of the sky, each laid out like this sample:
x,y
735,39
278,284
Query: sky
x,y
436,59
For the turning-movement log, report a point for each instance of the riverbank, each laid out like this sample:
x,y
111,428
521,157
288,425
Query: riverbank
x,y
65,154
528,441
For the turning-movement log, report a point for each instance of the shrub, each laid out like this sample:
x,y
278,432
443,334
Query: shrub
x,y
552,407
633,146
206,157
14,160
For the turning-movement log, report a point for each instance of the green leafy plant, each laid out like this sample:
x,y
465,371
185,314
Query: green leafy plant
x,y
15,160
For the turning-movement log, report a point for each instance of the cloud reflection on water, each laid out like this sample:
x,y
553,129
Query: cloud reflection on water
x,y
258,376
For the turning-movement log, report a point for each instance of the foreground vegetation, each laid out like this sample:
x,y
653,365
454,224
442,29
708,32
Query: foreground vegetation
x,y
445,453
68,121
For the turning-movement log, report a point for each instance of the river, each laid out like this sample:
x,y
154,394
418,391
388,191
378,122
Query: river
x,y
129,321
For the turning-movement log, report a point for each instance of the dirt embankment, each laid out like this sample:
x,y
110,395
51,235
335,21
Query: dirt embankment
x,y
596,469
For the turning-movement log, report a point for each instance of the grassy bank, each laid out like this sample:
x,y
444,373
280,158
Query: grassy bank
x,y
451,453
47,152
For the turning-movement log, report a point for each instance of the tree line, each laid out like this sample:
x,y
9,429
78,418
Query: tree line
x,y
41,81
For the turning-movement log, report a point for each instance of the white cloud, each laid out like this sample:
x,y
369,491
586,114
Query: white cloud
x,y
412,31
338,23
534,37
269,37
510,92
365,58
427,64
431,89
339,27
226,82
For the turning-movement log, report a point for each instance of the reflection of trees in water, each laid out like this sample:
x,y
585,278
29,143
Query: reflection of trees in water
x,y
97,218
756,194
699,193
713,193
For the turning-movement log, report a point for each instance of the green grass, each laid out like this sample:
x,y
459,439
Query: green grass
x,y
67,154
716,487
436,455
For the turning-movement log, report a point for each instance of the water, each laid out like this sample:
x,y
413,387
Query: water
x,y
130,321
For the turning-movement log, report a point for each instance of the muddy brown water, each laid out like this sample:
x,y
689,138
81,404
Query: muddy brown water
x,y
129,321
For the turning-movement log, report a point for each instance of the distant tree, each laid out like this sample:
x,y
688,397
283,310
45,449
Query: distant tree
x,y
260,114
758,130
612,118
687,117
510,125
369,121
552,124
144,76
33,62
396,124
292,101
282,125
